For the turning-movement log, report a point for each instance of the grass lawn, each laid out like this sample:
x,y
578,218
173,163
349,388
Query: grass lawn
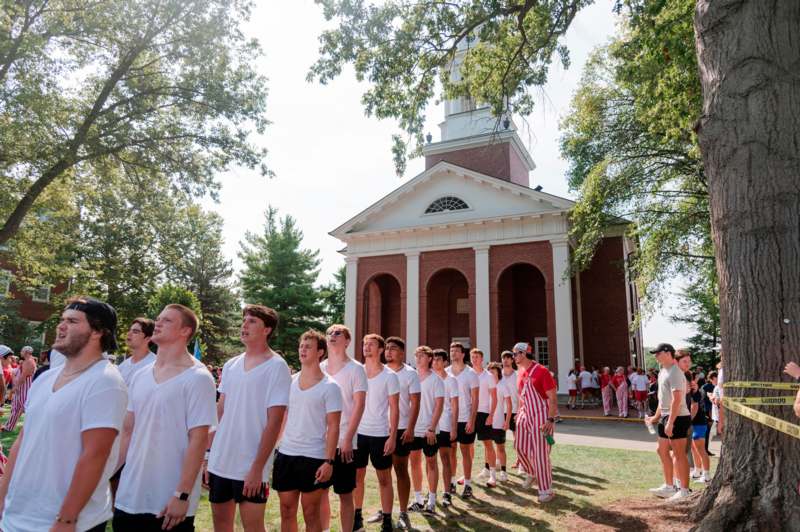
x,y
586,479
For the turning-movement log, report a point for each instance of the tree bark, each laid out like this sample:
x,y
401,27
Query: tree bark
x,y
749,59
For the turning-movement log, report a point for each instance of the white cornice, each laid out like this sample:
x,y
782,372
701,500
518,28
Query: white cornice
x,y
477,141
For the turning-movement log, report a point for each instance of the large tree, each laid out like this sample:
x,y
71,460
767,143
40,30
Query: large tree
x,y
152,86
747,56
280,273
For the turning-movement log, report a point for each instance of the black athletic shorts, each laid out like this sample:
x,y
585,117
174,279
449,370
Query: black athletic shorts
x,y
125,522
680,430
443,440
421,444
463,437
370,449
499,436
402,449
221,489
344,475
115,476
483,430
513,425
292,473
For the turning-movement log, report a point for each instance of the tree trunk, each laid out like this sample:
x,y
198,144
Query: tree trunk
x,y
749,59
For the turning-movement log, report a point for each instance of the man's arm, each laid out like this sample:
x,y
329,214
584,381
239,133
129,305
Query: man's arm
x,y
325,471
394,418
473,411
125,438
175,510
508,406
408,435
5,480
211,434
346,442
674,408
552,410
454,421
797,404
492,405
438,407
254,478
96,446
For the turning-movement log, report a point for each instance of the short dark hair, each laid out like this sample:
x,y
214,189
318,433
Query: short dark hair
x,y
712,375
108,340
397,341
188,317
428,352
497,368
441,353
265,314
147,325
507,354
322,342
458,345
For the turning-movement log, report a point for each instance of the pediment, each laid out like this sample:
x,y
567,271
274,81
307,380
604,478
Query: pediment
x,y
485,197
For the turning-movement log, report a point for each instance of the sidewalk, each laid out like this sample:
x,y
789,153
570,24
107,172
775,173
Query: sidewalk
x,y
594,412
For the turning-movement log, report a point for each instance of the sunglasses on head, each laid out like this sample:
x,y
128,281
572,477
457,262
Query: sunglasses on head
x,y
336,333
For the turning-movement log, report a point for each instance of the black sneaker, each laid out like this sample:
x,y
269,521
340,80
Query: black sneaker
x,y
386,525
358,521
416,507
467,493
403,522
446,499
452,488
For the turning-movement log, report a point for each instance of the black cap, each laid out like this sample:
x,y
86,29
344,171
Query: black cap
x,y
103,312
663,347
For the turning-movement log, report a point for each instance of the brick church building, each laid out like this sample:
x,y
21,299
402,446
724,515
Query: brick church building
x,y
468,251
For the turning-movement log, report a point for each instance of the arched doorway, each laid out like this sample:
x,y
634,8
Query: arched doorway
x,y
448,308
522,309
382,306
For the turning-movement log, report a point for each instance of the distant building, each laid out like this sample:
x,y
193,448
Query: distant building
x,y
34,306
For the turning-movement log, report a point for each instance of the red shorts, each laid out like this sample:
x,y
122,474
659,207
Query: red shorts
x,y
573,393
640,396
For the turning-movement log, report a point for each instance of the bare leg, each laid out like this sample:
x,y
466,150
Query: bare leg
x,y
385,487
252,515
223,515
666,460
311,510
400,464
289,501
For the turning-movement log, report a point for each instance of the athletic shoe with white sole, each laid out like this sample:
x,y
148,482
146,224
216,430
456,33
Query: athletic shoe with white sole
x,y
546,496
679,495
502,476
484,474
664,491
377,517
528,482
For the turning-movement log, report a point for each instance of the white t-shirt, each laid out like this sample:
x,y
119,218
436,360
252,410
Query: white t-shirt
x,y
510,381
450,391
52,445
409,383
640,383
248,396
129,367
716,394
486,385
163,415
586,379
375,421
351,379
595,379
499,418
56,359
432,389
467,381
306,418
572,382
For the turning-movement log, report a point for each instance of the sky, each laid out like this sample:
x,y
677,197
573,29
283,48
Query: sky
x,y
331,161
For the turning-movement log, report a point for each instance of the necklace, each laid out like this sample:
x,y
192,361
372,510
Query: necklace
x,y
64,374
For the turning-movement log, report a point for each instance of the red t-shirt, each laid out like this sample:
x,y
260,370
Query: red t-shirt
x,y
7,374
604,380
541,378
618,380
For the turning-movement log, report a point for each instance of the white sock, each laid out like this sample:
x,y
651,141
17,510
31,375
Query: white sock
x,y
467,481
492,474
432,498
418,498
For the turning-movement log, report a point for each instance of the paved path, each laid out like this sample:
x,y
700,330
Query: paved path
x,y
611,435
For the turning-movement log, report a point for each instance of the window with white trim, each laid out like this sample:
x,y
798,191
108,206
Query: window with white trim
x,y
447,204
41,294
5,283
542,350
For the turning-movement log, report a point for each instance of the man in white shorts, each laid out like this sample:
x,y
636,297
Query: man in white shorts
x,y
172,405
487,404
427,430
254,392
352,380
377,431
448,422
468,386
304,463
409,410
57,473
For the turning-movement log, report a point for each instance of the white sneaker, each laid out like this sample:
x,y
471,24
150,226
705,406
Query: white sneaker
x,y
528,482
664,491
696,473
701,480
679,495
502,476
483,475
546,496
520,471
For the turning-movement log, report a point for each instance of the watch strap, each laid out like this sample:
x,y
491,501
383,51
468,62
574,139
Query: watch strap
x,y
181,495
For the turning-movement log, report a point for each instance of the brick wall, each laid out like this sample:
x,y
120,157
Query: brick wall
x,y
496,159
367,311
432,328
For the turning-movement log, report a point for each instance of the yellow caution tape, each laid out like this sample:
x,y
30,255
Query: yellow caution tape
x,y
762,385
771,401
760,417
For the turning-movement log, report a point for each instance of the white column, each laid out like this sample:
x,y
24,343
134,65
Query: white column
x,y
350,298
563,303
412,304
483,332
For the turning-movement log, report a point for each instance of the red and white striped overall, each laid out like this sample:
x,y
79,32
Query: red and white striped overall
x,y
532,449
18,403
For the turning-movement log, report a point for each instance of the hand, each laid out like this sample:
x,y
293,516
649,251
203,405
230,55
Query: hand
x,y
408,436
793,370
668,429
62,527
173,513
453,436
253,484
651,420
346,450
205,474
506,426
388,448
548,428
470,428
431,437
324,473
488,421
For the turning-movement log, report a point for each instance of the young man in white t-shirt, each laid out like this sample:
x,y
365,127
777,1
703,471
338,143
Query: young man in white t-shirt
x,y
377,431
586,384
58,469
172,405
408,405
352,380
501,420
468,386
427,429
448,422
254,393
487,404
640,384
304,463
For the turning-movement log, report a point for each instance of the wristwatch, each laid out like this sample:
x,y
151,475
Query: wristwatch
x,y
66,521
181,495
329,461
551,419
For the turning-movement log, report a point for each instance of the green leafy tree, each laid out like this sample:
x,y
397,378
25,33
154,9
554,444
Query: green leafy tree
x,y
279,273
699,309
162,87
332,295
15,331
